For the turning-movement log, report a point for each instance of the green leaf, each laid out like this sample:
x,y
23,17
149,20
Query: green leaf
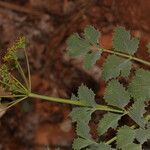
x,y
90,59
74,97
136,113
115,66
142,135
100,146
82,129
122,41
132,146
84,46
77,46
81,113
91,34
125,136
110,120
139,88
86,95
82,116
80,143
116,94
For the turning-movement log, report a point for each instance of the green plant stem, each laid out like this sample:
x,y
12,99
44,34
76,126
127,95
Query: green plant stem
x,y
11,96
19,83
22,73
126,56
74,102
15,102
3,83
28,68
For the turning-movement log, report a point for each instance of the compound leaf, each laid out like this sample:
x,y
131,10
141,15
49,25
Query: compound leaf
x,y
142,135
116,94
136,113
90,59
108,120
86,95
83,46
115,66
125,136
139,88
123,42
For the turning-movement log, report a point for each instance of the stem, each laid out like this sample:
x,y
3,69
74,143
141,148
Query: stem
x,y
20,91
16,102
13,103
22,73
73,102
21,85
11,96
28,68
125,56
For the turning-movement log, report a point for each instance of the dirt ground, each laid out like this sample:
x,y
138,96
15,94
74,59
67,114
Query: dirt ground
x,y
35,124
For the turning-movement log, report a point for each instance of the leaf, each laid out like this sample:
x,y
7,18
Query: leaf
x,y
82,116
82,129
81,113
86,95
110,120
115,66
100,146
90,59
142,135
80,143
139,88
136,113
74,97
77,46
116,94
91,34
132,146
84,46
125,136
123,42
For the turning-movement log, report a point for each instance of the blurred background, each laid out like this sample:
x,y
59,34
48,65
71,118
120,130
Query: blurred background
x,y
35,124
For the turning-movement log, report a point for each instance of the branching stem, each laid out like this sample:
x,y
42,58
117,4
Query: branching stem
x,y
22,73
